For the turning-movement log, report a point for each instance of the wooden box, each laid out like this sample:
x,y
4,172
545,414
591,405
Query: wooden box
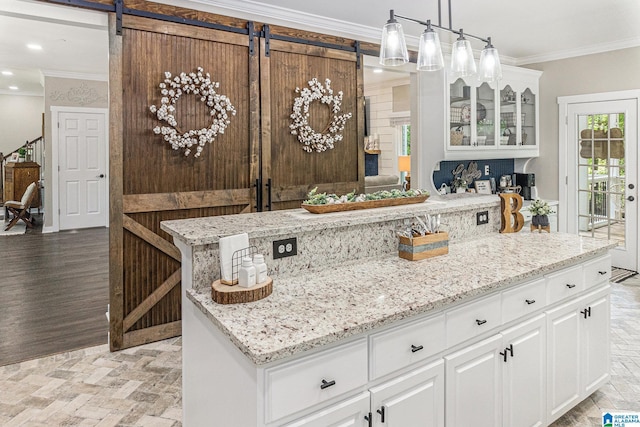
x,y
422,247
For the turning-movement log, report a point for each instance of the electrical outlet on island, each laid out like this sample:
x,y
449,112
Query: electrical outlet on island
x,y
285,247
482,218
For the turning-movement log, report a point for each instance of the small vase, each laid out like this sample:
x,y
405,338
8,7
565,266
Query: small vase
x,y
540,220
461,190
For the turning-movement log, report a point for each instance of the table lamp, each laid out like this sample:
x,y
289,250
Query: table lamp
x,y
404,165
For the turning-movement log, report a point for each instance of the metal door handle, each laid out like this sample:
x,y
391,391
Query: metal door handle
x,y
100,176
415,348
327,384
570,285
530,301
480,322
631,198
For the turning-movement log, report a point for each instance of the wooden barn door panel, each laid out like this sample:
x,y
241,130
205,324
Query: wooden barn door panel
x,y
159,183
293,171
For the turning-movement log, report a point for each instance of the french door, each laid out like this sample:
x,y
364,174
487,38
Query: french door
x,y
602,156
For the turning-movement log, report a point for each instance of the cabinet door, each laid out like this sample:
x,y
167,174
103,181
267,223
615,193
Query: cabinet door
x,y
524,374
595,342
563,360
348,413
474,385
415,399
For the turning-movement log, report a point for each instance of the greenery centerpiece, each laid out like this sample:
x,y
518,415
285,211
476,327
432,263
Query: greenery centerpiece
x,y
540,211
324,203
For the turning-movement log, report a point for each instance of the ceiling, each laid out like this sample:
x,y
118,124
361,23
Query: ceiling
x,y
75,41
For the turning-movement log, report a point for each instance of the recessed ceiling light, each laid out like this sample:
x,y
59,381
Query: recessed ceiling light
x,y
13,87
34,46
7,73
377,70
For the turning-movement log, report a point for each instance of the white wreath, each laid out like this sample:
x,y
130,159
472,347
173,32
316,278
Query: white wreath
x,y
312,140
198,84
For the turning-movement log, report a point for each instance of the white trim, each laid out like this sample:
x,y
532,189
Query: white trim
x,y
20,93
601,96
76,76
587,50
55,161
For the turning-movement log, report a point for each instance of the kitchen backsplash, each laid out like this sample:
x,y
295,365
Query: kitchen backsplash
x,y
497,168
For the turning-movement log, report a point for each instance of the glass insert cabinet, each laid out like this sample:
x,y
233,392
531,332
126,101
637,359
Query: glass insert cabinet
x,y
485,117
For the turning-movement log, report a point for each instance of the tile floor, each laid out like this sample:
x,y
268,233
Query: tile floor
x,y
142,386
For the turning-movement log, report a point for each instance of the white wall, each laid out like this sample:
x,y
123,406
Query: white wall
x,y
381,108
603,72
20,120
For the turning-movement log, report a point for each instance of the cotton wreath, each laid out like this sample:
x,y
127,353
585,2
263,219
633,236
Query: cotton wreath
x,y
200,84
312,140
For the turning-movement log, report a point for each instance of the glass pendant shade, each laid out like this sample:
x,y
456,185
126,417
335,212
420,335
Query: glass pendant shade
x,y
429,52
462,62
490,69
393,48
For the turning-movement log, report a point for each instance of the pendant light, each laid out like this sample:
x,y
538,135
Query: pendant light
x,y
393,48
429,51
490,69
462,62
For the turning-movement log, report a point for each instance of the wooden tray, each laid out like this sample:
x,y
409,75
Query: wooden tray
x,y
351,206
225,294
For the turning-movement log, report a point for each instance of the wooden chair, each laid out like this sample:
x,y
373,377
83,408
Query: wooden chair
x,y
20,210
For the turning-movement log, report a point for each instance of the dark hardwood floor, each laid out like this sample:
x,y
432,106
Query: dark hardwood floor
x,y
54,291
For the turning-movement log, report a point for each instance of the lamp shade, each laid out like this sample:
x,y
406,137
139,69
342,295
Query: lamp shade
x,y
393,48
429,52
404,163
490,69
462,62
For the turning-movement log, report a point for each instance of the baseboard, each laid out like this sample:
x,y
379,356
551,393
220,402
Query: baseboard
x,y
49,229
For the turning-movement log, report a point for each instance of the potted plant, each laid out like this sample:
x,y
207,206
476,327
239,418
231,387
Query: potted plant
x,y
21,153
459,184
540,211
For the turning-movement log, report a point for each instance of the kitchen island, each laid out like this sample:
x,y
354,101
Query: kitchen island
x,y
371,335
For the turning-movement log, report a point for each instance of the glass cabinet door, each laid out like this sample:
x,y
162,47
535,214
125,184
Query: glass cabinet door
x,y
460,114
528,115
485,116
508,116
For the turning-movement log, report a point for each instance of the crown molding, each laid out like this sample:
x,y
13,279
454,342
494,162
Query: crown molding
x,y
588,50
20,93
74,75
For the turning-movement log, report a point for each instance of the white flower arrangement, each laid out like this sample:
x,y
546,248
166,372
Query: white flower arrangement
x,y
540,207
199,84
312,140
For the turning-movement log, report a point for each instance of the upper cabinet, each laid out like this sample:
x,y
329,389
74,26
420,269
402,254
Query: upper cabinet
x,y
499,120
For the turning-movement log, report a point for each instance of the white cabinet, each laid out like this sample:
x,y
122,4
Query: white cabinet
x,y
499,381
349,413
412,400
524,385
474,385
578,350
499,120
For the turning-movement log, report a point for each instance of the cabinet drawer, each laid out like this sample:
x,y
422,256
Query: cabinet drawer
x,y
564,284
299,384
399,347
473,319
597,271
523,300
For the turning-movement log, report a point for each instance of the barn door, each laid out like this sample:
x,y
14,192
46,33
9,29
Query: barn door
x,y
288,171
151,182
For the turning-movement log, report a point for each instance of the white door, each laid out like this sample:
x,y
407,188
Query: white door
x,y
474,385
82,170
563,360
524,374
412,400
602,154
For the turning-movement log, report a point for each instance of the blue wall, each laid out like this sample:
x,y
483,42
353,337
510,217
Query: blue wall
x,y
497,168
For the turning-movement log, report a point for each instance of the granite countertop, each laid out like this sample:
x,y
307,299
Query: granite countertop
x,y
203,231
316,308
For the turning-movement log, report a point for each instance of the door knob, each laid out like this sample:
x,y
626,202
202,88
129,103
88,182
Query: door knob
x,y
631,198
100,176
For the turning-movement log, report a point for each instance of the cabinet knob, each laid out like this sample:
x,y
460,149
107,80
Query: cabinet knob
x,y
530,301
327,384
415,348
480,322
571,285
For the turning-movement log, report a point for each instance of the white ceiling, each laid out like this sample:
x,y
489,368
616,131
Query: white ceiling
x,y
75,41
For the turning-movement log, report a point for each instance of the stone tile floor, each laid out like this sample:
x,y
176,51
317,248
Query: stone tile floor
x,y
142,386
